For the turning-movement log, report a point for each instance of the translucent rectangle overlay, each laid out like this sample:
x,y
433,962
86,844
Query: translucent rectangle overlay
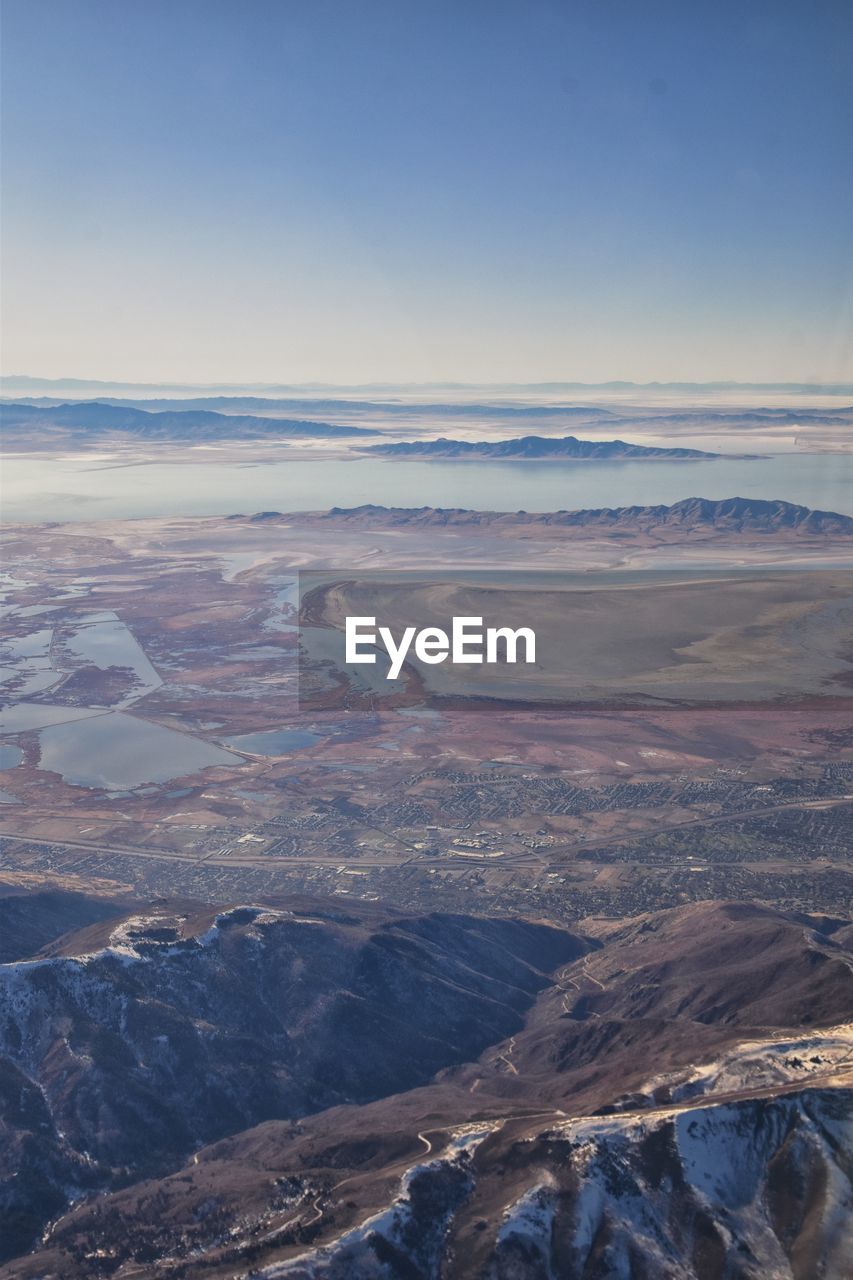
x,y
609,638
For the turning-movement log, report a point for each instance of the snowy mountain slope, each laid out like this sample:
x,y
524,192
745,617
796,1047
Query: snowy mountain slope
x,y
759,1189
678,1103
410,1233
747,1173
136,1041
819,1058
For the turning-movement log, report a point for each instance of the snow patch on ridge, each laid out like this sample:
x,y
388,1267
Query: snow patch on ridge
x,y
415,1221
824,1056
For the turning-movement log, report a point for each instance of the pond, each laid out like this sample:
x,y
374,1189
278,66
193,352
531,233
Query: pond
x,y
10,756
117,751
275,742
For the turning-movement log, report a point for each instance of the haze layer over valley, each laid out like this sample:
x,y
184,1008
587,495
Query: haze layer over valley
x,y
537,449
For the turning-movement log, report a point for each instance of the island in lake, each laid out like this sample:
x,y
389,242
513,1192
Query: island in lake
x,y
568,448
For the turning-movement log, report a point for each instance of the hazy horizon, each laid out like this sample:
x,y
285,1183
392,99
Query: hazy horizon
x,y
19,384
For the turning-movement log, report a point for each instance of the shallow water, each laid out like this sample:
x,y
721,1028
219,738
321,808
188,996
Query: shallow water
x,y
117,751
40,488
21,648
10,756
21,717
274,742
107,642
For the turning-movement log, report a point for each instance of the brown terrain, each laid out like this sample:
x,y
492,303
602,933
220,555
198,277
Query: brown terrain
x,y
719,1014
427,986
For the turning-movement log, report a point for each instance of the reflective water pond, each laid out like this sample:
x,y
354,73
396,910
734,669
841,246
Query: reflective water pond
x,y
10,756
107,642
117,751
274,742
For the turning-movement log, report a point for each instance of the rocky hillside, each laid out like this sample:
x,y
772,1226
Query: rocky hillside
x,y
756,1188
30,920
677,1103
128,1044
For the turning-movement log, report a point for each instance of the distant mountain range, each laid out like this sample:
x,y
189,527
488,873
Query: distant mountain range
x,y
94,420
37,422
742,418
489,410
16,383
545,1103
259,404
530,447
727,515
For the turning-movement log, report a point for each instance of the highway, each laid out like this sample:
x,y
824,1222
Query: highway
x,y
577,853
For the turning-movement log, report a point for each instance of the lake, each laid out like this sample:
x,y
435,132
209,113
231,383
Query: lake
x,y
115,751
38,488
274,742
10,756
106,642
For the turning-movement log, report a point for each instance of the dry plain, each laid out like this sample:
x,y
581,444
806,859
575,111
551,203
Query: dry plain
x,y
156,737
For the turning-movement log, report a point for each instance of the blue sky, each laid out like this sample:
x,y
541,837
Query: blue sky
x,y
277,190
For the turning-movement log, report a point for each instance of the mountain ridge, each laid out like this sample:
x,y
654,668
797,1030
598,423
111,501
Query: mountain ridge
x,y
725,515
127,1043
97,419
476,1138
528,447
